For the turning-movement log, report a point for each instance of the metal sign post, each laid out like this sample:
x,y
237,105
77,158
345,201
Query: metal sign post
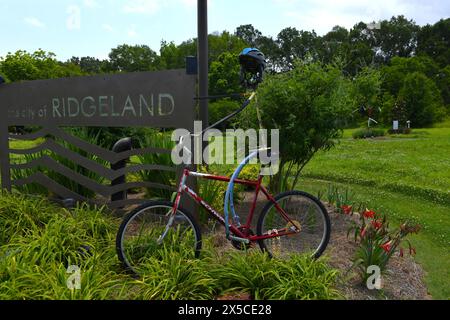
x,y
203,59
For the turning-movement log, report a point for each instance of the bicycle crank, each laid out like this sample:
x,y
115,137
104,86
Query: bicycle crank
x,y
240,245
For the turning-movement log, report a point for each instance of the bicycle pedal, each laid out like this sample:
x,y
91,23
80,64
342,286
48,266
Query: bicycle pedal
x,y
246,241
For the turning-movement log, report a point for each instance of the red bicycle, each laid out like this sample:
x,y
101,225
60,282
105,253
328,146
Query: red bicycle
x,y
291,222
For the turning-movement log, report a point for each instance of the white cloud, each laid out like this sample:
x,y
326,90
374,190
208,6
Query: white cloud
x,y
323,15
73,21
153,6
132,33
142,6
107,27
34,22
91,4
190,3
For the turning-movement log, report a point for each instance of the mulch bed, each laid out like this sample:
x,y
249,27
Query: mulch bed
x,y
403,279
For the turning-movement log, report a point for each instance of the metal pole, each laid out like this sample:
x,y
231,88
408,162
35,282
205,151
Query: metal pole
x,y
202,52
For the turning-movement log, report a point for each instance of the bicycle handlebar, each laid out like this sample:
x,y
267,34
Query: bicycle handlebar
x,y
232,95
244,105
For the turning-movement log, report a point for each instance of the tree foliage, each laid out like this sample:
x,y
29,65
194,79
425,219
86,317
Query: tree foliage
x,y
126,58
306,104
421,98
38,65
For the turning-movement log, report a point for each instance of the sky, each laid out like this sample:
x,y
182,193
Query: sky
x,y
92,27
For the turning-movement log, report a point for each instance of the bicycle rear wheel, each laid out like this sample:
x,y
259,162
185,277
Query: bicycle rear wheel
x,y
139,236
305,212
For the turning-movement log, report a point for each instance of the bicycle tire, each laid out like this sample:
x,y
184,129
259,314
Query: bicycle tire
x,y
120,237
321,210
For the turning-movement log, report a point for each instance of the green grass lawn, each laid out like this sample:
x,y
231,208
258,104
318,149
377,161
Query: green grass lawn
x,y
406,177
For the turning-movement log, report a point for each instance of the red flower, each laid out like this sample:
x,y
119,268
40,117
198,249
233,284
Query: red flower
x,y
363,232
401,252
369,214
387,246
377,224
347,209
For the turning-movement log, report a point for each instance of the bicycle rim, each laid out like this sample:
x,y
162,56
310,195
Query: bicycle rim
x,y
139,239
307,214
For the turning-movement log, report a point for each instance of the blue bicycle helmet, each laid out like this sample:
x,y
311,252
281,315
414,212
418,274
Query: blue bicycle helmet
x,y
253,64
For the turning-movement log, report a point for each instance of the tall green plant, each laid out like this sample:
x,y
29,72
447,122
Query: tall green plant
x,y
160,140
306,105
81,132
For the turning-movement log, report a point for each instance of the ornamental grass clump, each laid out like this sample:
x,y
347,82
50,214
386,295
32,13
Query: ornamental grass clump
x,y
378,242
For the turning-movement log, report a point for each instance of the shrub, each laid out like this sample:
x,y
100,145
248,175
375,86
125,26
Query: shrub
x,y
368,133
158,140
255,273
308,105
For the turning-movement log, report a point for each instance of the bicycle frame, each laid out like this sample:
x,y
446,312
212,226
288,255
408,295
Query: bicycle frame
x,y
183,188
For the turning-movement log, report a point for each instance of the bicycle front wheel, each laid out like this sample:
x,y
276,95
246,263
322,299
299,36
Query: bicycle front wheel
x,y
147,232
307,214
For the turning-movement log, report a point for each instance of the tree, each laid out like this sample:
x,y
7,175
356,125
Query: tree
x,y
5,79
398,80
361,48
294,45
224,75
271,51
443,83
126,58
224,42
248,34
89,65
22,65
367,86
306,104
434,41
334,44
395,72
396,37
421,98
171,56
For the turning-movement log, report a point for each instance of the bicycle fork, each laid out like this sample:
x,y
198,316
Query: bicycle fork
x,y
174,209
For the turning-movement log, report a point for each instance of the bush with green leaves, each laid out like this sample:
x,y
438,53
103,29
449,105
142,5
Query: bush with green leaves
x,y
41,240
159,140
307,105
254,273
365,133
